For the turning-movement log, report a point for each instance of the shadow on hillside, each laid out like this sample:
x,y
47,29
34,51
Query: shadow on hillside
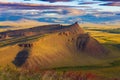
x,y
20,58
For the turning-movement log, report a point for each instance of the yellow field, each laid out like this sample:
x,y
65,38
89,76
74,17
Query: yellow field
x,y
104,37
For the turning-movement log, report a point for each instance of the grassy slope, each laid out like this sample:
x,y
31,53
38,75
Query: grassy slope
x,y
52,54
47,52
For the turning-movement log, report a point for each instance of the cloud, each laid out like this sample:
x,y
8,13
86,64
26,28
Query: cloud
x,y
75,12
42,9
109,0
112,4
27,0
30,6
55,11
3,0
87,3
55,0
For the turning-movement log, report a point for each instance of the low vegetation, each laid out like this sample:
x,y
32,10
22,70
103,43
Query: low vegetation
x,y
116,31
64,73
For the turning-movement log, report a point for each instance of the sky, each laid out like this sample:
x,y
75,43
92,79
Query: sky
x,y
61,11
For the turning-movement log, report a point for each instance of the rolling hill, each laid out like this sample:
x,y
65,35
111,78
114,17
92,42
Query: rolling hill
x,y
50,46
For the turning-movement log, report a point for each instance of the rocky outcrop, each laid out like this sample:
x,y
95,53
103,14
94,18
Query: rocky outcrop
x,y
39,30
76,29
88,44
3,36
82,41
26,45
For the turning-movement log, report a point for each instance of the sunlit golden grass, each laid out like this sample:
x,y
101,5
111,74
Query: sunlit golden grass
x,y
110,40
104,37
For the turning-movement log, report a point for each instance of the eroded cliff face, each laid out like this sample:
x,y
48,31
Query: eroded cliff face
x,y
67,47
91,46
